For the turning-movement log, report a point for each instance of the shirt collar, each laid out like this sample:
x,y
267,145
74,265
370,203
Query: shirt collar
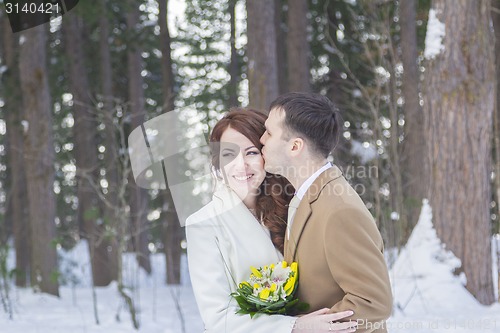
x,y
305,186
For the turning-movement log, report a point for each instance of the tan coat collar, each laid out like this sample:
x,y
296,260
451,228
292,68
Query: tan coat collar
x,y
304,210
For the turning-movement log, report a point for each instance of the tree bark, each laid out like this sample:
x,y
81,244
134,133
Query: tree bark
x,y
39,158
459,104
496,28
336,85
298,46
234,68
394,148
15,155
138,196
262,56
172,231
87,164
496,132
111,209
281,51
413,154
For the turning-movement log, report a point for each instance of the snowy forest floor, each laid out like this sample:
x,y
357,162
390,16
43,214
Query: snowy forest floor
x,y
428,297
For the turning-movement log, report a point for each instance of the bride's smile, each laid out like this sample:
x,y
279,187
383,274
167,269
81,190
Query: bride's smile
x,y
243,178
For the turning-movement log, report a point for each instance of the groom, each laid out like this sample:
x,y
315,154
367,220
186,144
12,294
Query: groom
x,y
331,234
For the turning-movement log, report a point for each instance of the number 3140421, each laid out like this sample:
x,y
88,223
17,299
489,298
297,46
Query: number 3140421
x,y
32,8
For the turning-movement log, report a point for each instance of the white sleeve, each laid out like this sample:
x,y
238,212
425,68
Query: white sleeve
x,y
212,283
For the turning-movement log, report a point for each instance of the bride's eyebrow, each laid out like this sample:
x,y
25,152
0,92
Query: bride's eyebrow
x,y
248,148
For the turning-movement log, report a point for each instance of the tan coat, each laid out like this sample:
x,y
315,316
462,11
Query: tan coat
x,y
339,251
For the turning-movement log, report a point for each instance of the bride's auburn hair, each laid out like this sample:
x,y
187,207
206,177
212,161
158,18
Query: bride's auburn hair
x,y
275,192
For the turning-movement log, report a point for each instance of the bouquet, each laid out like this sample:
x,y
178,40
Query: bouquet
x,y
270,290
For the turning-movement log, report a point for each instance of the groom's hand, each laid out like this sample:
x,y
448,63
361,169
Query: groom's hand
x,y
321,321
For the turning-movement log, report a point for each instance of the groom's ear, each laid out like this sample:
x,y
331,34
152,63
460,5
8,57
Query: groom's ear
x,y
297,146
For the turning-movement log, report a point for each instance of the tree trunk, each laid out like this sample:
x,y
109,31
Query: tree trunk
x,y
172,231
298,46
413,155
281,52
261,52
87,164
336,85
496,28
496,132
396,181
39,158
234,68
337,91
15,155
138,196
458,106
111,208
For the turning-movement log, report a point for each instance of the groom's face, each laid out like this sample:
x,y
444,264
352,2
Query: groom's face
x,y
275,145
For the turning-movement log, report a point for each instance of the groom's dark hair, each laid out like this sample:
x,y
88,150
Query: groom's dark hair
x,y
311,116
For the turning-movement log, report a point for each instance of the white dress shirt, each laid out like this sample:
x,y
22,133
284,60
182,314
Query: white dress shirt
x,y
303,189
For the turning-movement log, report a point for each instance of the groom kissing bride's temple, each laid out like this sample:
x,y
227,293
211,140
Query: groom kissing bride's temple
x,y
278,195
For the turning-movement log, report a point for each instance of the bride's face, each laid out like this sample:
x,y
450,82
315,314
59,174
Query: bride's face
x,y
241,163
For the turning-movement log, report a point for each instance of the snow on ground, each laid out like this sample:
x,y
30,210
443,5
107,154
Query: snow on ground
x,y
427,296
73,312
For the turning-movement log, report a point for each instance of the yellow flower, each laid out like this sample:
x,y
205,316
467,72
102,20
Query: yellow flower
x,y
264,294
289,285
255,272
255,286
284,264
294,266
273,287
272,266
244,283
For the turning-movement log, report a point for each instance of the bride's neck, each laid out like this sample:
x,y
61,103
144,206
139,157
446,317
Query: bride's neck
x,y
250,201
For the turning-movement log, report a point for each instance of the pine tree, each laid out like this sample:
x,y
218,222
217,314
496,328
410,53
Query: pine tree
x,y
459,103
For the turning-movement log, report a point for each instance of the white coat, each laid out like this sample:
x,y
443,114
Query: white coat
x,y
223,240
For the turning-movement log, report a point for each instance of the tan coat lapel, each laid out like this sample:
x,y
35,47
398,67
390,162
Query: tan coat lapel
x,y
304,210
299,222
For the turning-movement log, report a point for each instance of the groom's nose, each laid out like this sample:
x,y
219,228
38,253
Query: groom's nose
x,y
263,139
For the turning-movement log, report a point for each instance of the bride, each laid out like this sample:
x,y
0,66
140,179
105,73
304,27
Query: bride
x,y
243,226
